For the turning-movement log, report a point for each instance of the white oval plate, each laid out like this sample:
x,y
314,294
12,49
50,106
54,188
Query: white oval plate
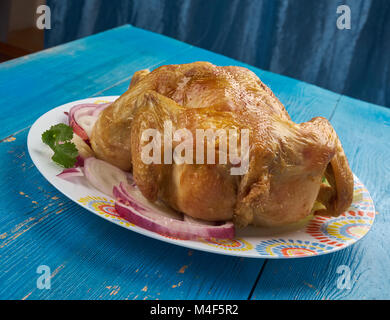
x,y
320,235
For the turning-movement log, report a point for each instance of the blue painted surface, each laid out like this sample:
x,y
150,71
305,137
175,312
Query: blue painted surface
x,y
364,130
297,38
93,259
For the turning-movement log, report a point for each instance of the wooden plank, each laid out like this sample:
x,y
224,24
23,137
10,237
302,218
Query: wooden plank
x,y
90,258
103,259
34,84
365,132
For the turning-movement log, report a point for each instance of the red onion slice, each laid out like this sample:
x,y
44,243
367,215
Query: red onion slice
x,y
198,221
158,223
102,175
79,162
100,108
68,174
136,200
72,120
82,118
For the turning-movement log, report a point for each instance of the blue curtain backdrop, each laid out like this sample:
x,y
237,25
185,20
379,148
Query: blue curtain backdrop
x,y
297,38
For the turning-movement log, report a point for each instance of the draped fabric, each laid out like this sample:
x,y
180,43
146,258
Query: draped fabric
x,y
297,38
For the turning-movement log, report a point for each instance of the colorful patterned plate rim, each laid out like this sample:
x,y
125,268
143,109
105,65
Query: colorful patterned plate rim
x,y
320,235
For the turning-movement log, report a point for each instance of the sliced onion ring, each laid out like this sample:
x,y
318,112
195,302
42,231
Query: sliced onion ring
x,y
102,175
82,118
198,221
82,147
70,173
100,108
167,226
149,207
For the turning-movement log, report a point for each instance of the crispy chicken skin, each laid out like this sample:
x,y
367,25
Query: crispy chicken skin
x,y
287,161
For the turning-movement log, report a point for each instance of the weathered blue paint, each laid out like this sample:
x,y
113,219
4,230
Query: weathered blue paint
x,y
93,259
76,70
364,130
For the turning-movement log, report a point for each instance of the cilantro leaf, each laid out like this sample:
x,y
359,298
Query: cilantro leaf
x,y
58,139
65,154
58,133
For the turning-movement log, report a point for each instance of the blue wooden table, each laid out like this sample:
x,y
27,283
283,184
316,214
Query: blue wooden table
x,y
90,258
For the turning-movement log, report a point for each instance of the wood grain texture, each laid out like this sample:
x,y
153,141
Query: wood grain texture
x,y
364,130
90,258
93,259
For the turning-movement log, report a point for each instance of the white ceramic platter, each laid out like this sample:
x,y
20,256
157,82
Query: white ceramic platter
x,y
321,235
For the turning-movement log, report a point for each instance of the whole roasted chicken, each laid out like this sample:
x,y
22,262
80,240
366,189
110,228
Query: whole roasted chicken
x,y
294,170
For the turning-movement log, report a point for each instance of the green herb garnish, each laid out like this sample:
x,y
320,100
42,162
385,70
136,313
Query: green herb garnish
x,y
58,138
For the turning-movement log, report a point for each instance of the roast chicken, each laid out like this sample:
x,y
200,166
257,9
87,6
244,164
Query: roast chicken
x,y
295,170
